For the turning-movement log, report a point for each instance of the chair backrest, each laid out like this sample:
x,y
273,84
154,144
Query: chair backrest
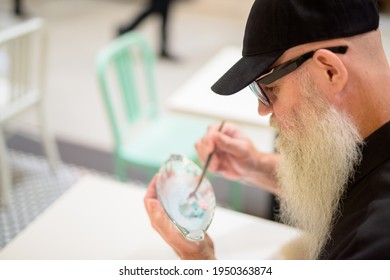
x,y
126,79
22,67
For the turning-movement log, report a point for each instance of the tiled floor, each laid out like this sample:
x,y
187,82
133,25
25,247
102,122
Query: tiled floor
x,y
35,187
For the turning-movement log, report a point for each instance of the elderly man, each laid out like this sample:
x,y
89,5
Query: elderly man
x,y
320,69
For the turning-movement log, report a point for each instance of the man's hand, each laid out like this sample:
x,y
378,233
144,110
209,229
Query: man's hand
x,y
163,225
236,158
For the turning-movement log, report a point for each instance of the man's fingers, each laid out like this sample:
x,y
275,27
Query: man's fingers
x,y
227,144
151,191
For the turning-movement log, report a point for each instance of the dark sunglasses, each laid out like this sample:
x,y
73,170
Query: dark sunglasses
x,y
282,70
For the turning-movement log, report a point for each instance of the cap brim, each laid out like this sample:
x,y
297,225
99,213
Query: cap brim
x,y
245,71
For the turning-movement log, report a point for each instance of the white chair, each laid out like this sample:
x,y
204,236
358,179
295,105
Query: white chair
x,y
22,74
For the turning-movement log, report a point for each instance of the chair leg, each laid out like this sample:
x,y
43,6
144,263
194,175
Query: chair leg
x,y
49,142
5,172
120,169
235,196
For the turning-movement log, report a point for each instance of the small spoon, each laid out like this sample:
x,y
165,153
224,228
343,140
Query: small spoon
x,y
205,167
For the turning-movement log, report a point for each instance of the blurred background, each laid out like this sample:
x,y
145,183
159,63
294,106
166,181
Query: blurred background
x,y
76,31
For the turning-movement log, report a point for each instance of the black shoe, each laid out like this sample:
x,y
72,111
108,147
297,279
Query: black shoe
x,y
168,56
120,31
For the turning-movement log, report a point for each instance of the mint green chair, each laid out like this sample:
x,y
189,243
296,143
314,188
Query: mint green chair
x,y
143,137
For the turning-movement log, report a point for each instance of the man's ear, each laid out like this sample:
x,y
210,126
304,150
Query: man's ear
x,y
332,73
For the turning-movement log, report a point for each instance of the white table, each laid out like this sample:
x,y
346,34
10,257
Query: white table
x,y
99,218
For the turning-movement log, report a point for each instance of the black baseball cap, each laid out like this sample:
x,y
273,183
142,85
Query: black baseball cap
x,y
274,26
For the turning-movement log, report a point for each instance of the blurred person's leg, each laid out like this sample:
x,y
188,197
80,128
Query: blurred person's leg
x,y
18,7
135,22
163,8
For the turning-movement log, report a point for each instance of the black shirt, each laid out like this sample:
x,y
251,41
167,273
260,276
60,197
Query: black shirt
x,y
362,230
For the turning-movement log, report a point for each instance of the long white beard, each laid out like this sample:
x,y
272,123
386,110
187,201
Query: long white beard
x,y
319,149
